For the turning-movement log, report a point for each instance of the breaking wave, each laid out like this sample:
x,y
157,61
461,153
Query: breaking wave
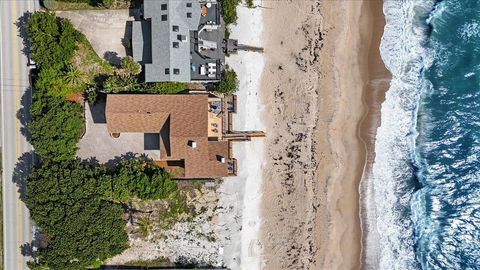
x,y
403,52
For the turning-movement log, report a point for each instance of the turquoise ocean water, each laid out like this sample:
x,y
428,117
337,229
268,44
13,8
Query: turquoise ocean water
x,y
426,174
447,207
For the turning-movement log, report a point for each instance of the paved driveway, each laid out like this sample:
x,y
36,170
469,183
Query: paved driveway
x,y
105,29
98,143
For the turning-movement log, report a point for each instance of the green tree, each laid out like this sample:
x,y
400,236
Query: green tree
x,y
75,204
55,126
229,82
53,41
66,203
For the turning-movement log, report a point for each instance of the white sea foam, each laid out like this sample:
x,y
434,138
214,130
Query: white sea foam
x,y
470,74
390,240
470,30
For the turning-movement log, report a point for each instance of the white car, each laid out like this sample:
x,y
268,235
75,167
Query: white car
x,y
31,63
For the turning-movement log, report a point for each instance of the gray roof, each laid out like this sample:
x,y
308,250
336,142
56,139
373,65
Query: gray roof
x,y
163,54
141,41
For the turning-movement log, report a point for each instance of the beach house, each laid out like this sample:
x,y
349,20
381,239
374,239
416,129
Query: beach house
x,y
186,133
179,40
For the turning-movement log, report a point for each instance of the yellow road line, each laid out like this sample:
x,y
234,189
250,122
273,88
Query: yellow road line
x,y
16,83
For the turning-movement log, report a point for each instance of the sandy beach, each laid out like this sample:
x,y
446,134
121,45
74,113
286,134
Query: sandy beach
x,y
321,71
317,91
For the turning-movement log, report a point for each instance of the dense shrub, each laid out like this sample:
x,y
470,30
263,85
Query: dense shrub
x,y
229,11
55,126
138,178
80,227
130,65
53,41
92,95
165,87
119,84
76,206
107,3
229,82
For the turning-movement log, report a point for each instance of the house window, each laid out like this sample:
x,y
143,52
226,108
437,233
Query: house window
x,y
164,17
164,6
176,71
167,71
182,37
175,28
189,14
189,4
175,44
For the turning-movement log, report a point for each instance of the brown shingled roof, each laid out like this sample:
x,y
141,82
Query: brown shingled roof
x,y
148,113
184,117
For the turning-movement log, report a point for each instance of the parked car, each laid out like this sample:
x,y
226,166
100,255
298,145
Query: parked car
x,y
32,76
31,63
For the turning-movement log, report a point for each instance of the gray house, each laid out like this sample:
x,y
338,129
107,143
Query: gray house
x,y
179,40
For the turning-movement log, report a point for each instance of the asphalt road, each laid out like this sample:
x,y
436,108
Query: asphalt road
x,y
14,84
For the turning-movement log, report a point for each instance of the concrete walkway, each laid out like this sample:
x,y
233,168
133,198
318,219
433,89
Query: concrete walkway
x,y
98,143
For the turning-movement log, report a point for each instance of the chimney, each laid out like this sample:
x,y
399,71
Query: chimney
x,y
222,159
193,144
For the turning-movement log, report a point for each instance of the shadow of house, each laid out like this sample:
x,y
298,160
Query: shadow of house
x,y
165,136
151,141
127,38
98,112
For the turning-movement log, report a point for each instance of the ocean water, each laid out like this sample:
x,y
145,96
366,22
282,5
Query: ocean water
x,y
426,173
446,210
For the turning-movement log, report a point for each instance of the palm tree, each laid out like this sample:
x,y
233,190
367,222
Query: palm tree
x,y
74,76
143,226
